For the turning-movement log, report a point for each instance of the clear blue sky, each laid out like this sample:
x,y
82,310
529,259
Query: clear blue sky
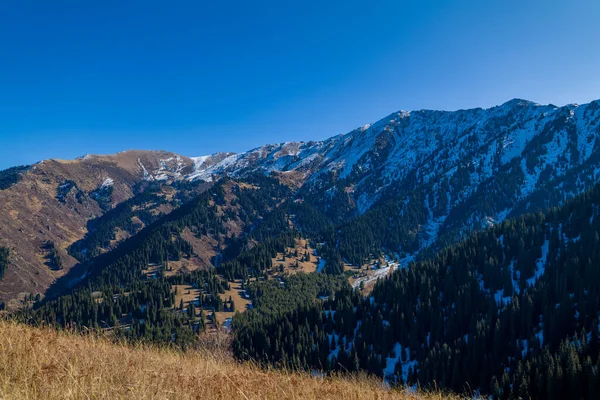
x,y
196,77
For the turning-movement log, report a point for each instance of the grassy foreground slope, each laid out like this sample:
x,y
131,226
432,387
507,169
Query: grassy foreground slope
x,y
44,363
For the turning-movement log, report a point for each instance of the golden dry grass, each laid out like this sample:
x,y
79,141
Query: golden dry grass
x,y
235,290
187,293
239,302
301,246
40,363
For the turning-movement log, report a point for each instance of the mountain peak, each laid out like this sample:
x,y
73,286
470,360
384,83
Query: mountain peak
x,y
517,102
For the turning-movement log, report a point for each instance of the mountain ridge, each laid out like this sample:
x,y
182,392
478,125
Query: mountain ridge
x,y
53,200
457,171
459,154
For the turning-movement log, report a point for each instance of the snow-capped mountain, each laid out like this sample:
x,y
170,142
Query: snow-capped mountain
x,y
469,168
435,143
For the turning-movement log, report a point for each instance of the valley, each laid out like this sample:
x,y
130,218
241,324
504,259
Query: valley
x,y
405,249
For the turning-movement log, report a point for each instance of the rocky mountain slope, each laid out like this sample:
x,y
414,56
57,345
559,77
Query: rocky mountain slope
x,y
52,201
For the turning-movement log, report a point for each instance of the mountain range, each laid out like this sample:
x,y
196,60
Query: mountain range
x,y
438,174
453,250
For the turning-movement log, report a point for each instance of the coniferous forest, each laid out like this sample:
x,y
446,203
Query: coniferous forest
x,y
10,176
512,310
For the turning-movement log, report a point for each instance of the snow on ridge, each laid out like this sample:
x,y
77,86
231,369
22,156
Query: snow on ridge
x,y
85,157
199,161
166,166
206,174
540,264
272,157
147,175
108,182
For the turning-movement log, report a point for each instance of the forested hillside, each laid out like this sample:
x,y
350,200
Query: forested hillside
x,y
115,285
420,178
512,311
10,176
131,290
54,200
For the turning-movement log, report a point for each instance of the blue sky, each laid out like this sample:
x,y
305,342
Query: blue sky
x,y
198,77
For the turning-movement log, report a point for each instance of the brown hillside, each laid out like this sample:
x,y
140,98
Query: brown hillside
x,y
36,210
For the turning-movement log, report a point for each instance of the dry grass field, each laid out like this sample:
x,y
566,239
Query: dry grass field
x,y
188,294
40,363
291,260
241,303
185,293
